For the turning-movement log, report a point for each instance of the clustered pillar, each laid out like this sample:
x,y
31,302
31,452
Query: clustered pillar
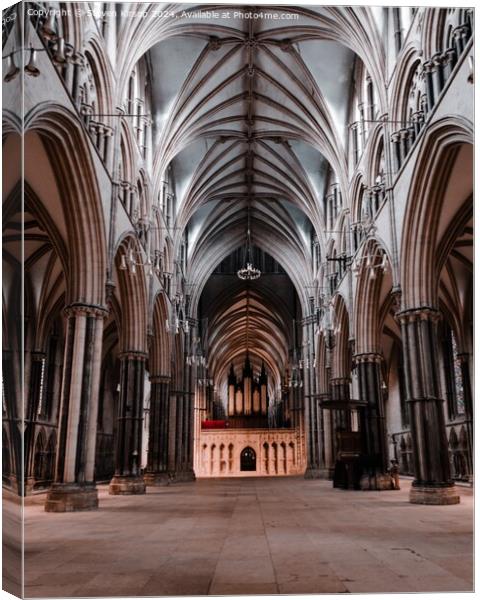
x,y
37,359
313,419
74,487
433,483
374,476
464,359
170,450
128,450
180,442
313,416
340,397
157,464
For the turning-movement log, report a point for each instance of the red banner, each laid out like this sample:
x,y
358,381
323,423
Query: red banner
x,y
219,424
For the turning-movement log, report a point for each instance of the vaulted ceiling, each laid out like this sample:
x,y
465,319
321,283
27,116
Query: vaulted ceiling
x,y
253,111
252,115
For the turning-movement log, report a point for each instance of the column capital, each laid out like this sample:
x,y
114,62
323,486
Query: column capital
x,y
424,313
340,381
133,355
460,30
323,397
395,137
78,58
368,357
109,290
107,130
160,379
450,53
438,58
428,66
77,309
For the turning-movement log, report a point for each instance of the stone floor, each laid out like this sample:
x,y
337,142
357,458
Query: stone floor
x,y
250,536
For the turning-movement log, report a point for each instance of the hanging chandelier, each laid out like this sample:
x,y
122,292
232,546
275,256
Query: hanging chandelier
x,y
248,272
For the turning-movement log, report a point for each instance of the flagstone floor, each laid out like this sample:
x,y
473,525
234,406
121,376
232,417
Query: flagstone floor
x,y
249,536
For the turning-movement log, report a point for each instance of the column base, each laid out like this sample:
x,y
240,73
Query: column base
x,y
377,481
70,497
168,477
182,476
423,494
13,484
126,485
28,486
157,479
317,473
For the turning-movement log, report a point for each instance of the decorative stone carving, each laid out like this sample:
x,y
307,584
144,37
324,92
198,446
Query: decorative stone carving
x,y
278,452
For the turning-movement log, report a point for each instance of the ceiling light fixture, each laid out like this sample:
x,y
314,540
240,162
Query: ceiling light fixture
x,y
248,272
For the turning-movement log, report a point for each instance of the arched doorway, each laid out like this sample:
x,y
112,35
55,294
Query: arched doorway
x,y
248,460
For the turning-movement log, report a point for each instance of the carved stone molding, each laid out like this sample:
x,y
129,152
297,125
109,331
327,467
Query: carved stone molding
x,y
94,310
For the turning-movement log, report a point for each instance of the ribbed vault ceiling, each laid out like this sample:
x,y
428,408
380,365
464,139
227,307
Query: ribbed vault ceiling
x,y
253,109
251,117
248,319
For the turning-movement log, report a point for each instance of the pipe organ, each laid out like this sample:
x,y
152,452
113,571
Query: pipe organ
x,y
247,396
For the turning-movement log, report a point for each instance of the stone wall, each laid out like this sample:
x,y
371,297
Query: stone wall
x,y
277,452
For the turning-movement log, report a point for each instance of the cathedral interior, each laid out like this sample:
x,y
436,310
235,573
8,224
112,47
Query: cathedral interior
x,y
237,293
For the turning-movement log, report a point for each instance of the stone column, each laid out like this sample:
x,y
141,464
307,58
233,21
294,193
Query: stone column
x,y
396,150
128,449
180,437
157,463
464,359
438,79
109,32
68,71
328,452
450,57
74,487
189,430
37,359
11,395
179,433
308,415
417,124
374,442
109,150
460,36
312,411
340,394
317,467
355,143
428,70
310,429
185,472
77,66
404,143
340,417
433,483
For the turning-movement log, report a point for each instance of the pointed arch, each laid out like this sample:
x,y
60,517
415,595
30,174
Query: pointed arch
x,y
341,362
160,348
426,197
132,292
368,297
60,132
